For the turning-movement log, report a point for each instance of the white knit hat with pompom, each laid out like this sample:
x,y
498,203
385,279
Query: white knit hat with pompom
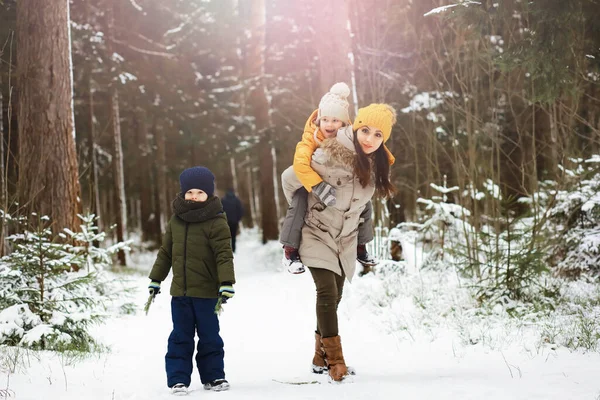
x,y
335,103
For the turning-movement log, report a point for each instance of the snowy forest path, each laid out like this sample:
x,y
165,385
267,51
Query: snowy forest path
x,y
268,330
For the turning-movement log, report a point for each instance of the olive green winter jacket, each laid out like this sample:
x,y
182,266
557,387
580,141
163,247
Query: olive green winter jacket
x,y
197,246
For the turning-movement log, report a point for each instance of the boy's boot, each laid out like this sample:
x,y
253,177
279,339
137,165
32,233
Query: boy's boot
x,y
291,260
319,364
335,358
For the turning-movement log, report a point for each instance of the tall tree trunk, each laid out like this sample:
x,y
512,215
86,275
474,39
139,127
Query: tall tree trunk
x,y
48,173
117,157
276,178
161,178
255,61
94,197
249,190
234,180
94,172
145,179
3,193
3,189
333,44
118,173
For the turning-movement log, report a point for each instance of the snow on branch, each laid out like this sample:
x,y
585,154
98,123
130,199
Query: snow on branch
x,y
233,88
441,9
595,159
175,30
187,19
136,5
144,51
427,101
444,190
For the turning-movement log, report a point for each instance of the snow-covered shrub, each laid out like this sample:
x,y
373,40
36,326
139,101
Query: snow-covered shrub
x,y
86,244
575,219
513,259
503,257
445,229
54,287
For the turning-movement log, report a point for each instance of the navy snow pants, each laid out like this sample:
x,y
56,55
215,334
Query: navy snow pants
x,y
191,315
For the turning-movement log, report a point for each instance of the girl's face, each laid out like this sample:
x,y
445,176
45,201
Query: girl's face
x,y
369,138
329,126
196,195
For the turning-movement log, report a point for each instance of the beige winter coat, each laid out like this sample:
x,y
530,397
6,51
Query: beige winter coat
x,y
329,236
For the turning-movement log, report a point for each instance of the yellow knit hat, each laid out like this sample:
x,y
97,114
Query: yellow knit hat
x,y
380,116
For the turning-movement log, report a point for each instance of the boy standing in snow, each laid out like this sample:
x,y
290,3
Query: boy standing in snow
x,y
197,246
323,123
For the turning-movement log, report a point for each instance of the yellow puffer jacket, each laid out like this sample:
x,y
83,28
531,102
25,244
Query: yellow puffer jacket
x,y
305,148
304,151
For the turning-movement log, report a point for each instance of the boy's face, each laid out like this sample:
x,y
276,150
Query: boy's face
x,y
369,138
196,195
329,126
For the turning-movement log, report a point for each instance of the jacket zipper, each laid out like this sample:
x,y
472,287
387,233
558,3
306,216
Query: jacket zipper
x,y
185,260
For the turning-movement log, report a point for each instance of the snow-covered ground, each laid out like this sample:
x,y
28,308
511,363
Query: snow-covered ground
x,y
392,334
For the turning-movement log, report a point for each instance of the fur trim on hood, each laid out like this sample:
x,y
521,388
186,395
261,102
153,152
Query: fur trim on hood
x,y
341,148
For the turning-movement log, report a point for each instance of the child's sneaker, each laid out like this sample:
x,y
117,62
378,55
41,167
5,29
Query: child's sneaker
x,y
291,260
363,256
179,389
218,385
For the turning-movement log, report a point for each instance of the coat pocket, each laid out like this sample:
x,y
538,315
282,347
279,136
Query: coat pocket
x,y
317,218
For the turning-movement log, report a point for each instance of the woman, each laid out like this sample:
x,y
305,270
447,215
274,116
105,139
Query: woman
x,y
356,163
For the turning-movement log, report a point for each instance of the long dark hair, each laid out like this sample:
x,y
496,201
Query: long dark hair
x,y
379,161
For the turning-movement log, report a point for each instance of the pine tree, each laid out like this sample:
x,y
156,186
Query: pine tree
x,y
52,292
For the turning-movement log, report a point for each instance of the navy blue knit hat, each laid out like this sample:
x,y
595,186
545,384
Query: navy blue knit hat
x,y
197,178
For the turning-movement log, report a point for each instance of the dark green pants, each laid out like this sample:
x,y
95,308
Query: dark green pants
x,y
329,287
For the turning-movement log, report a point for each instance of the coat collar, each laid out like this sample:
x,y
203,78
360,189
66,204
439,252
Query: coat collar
x,y
191,211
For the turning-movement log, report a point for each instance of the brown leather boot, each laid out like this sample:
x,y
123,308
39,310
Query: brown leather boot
x,y
335,358
318,363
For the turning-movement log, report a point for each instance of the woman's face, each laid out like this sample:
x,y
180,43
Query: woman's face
x,y
196,195
369,138
329,126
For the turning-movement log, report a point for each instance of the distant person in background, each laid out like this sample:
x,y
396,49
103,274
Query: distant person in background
x,y
235,211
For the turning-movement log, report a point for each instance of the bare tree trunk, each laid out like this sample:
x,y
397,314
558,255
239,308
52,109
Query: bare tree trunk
x,y
145,179
256,193
276,184
161,179
118,173
120,201
3,193
251,190
48,173
255,60
3,188
94,173
333,45
234,180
